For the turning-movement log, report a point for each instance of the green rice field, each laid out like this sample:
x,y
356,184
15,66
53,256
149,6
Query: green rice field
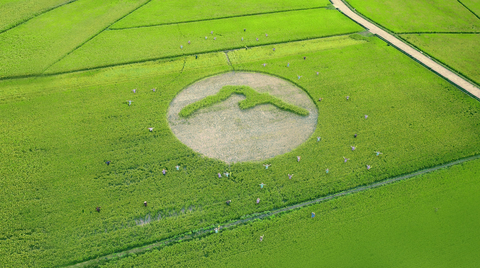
x,y
422,219
159,12
172,40
402,16
14,12
458,51
82,83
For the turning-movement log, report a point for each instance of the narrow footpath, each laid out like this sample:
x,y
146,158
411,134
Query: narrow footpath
x,y
447,74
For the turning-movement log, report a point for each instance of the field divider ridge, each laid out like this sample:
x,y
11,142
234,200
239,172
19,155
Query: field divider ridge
x,y
93,36
218,18
436,33
36,15
392,39
166,57
465,6
259,216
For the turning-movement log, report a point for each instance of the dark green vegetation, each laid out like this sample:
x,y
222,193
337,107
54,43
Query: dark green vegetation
x,y
57,132
253,99
172,11
419,15
459,51
140,44
428,221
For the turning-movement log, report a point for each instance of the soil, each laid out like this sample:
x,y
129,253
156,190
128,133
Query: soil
x,y
225,132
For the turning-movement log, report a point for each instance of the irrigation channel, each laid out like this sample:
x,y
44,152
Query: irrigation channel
x,y
463,84
203,232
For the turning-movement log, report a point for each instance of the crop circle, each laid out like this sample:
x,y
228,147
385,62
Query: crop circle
x,y
226,132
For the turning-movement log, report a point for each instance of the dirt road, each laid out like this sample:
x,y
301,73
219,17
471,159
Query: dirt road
x,y
447,74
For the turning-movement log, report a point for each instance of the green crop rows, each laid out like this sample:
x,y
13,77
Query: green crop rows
x,y
61,130
171,11
58,131
419,15
13,12
422,219
35,45
172,40
253,99
456,50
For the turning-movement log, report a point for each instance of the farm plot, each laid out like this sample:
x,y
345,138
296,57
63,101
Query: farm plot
x,y
402,16
60,131
431,219
32,47
141,44
13,12
473,5
170,11
459,51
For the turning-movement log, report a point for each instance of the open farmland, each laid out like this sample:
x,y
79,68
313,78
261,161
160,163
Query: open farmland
x,y
140,44
473,6
33,46
422,218
401,16
86,136
61,129
459,51
159,12
14,12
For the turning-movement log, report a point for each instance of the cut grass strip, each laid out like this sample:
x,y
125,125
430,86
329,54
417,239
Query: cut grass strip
x,y
253,98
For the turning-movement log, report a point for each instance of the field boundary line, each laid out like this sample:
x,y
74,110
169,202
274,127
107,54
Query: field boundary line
x,y
465,6
258,216
35,15
95,35
437,33
166,57
218,18
397,42
438,61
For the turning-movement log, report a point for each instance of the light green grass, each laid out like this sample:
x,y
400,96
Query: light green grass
x,y
473,5
252,99
140,44
459,51
13,12
31,47
170,11
419,15
428,221
56,133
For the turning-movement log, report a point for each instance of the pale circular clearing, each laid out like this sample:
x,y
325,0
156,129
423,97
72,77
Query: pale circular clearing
x,y
225,132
